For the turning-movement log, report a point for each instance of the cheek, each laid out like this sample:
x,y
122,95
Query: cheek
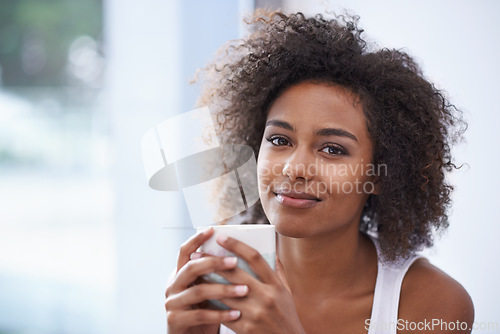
x,y
268,170
267,166
347,179
264,173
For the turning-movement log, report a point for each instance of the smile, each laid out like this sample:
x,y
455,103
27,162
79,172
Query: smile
x,y
296,200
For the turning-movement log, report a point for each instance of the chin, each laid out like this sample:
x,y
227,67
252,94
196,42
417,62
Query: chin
x,y
289,222
291,229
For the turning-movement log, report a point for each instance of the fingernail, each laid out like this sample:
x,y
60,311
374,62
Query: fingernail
x,y
234,314
230,261
221,239
241,290
195,256
207,230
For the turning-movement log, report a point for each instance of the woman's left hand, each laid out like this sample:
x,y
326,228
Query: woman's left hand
x,y
269,306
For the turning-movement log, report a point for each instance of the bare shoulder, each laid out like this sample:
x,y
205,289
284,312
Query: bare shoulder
x,y
430,295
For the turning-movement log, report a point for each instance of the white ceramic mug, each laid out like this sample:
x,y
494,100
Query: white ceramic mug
x,y
261,237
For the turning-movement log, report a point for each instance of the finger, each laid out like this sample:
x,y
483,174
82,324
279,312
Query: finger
x,y
239,276
195,268
191,245
198,255
199,293
256,262
280,272
238,303
186,319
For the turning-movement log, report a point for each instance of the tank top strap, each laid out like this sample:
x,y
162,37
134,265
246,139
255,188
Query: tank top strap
x,y
384,316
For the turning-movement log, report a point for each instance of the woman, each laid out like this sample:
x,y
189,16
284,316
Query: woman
x,y
353,145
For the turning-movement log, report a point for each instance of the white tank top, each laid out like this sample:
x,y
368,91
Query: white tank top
x,y
384,316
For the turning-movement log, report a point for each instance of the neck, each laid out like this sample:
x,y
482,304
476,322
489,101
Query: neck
x,y
327,264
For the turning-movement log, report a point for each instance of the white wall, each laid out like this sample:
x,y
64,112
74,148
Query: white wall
x,y
142,38
457,44
153,49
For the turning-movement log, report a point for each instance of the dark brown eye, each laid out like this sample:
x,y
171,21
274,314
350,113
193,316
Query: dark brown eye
x,y
334,150
279,141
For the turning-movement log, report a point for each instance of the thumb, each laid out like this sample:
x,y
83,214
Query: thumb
x,y
280,271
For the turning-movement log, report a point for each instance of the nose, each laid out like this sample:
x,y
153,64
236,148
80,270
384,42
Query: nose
x,y
300,165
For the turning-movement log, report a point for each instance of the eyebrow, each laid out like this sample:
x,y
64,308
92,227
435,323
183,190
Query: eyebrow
x,y
321,132
336,132
280,124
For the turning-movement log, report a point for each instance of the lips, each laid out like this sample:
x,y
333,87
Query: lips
x,y
294,199
296,194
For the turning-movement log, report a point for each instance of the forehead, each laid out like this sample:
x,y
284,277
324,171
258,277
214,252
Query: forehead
x,y
317,103
311,106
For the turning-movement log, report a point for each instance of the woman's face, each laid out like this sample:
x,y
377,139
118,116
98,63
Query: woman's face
x,y
315,162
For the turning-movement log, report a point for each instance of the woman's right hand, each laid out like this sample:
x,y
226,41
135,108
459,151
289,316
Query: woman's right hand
x,y
184,314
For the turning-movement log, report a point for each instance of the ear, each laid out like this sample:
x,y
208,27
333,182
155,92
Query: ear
x,y
376,185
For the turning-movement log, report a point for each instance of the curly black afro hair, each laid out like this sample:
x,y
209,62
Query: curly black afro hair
x,y
411,123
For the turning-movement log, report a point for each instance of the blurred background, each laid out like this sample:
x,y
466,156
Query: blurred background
x,y
85,245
